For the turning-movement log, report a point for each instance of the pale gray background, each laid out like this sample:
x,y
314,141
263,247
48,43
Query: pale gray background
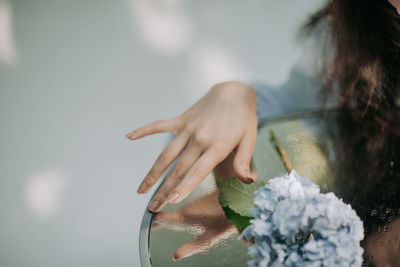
x,y
75,76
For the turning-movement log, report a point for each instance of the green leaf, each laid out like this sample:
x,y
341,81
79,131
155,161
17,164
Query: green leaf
x,y
237,195
236,219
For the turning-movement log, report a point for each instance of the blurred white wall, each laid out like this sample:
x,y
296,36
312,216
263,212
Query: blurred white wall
x,y
75,76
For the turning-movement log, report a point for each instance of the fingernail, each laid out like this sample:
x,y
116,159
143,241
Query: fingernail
x,y
172,197
142,187
131,134
250,179
154,205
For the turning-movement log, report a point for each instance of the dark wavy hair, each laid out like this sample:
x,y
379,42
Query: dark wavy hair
x,y
363,74
365,68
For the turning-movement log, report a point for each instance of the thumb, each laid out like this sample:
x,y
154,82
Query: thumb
x,y
244,152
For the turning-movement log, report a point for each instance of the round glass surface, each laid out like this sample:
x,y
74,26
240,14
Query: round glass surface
x,y
197,230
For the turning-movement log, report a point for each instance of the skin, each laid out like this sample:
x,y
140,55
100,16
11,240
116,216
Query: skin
x,y
396,4
222,122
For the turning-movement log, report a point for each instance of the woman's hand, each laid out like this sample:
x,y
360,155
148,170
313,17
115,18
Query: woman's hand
x,y
224,120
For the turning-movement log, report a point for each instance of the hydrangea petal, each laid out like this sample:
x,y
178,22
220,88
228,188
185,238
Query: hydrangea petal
x,y
295,225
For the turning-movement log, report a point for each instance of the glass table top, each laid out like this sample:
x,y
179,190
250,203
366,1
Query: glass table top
x,y
316,147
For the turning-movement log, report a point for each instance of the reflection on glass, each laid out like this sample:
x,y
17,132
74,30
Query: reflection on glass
x,y
204,217
358,163
195,231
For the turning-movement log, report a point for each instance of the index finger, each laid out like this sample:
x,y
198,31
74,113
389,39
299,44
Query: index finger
x,y
163,126
199,170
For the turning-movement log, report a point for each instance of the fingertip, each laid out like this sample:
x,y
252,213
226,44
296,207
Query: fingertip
x,y
155,226
157,204
159,216
137,133
249,180
244,175
130,137
173,197
181,196
142,188
133,138
187,250
131,133
154,205
178,255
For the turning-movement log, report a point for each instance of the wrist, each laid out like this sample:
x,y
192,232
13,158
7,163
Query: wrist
x,y
234,91
231,85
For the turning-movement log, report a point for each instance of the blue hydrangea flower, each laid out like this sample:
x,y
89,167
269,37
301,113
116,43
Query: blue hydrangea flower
x,y
295,225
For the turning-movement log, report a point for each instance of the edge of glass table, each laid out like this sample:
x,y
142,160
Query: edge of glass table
x,y
145,227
